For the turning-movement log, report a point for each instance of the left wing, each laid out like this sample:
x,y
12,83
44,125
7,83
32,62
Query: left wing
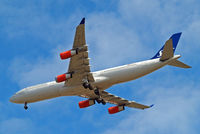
x,y
79,63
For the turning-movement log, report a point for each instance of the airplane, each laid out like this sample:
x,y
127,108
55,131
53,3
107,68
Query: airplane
x,y
80,81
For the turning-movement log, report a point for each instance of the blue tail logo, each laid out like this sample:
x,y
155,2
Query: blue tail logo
x,y
175,38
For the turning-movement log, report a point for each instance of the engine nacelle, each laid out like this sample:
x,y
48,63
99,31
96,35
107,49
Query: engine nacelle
x,y
68,54
115,109
63,77
86,103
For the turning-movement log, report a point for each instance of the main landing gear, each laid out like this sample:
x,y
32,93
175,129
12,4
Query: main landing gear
x,y
96,91
25,106
100,100
87,85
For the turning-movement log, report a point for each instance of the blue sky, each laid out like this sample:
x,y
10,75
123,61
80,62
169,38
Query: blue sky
x,y
33,33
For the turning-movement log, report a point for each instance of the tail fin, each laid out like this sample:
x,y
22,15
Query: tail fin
x,y
167,51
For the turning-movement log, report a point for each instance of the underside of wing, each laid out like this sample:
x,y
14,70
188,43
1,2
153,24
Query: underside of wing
x,y
79,67
110,98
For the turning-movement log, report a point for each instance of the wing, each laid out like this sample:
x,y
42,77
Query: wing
x,y
110,98
79,64
121,101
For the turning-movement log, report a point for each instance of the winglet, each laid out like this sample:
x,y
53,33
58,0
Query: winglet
x,y
82,21
151,105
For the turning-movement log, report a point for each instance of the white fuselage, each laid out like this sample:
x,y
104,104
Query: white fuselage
x,y
103,80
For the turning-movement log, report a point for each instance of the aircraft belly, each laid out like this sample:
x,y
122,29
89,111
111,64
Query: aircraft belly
x,y
71,91
38,93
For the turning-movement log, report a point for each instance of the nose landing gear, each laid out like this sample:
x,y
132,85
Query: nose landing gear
x,y
25,106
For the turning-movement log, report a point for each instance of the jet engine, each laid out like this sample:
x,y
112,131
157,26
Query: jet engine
x,y
68,54
115,109
86,103
63,77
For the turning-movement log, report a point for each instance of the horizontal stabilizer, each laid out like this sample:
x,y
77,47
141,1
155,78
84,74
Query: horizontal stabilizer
x,y
178,63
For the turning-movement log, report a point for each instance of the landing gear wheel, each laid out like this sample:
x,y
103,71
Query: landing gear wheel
x,y
103,102
25,106
98,101
86,85
90,87
96,91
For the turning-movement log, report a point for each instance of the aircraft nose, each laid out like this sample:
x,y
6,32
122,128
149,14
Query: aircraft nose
x,y
13,99
19,97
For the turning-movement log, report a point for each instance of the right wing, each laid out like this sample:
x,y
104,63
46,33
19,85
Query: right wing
x,y
110,98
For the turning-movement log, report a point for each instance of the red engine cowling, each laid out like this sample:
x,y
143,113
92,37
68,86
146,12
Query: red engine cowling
x,y
86,103
63,77
68,54
115,109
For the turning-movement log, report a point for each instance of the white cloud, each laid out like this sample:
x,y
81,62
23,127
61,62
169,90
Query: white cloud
x,y
191,39
160,16
175,111
17,126
111,42
34,20
28,73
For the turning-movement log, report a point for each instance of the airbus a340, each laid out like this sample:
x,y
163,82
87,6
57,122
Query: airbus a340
x,y
80,81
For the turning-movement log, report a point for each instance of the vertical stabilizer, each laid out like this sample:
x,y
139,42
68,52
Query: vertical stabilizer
x,y
167,51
